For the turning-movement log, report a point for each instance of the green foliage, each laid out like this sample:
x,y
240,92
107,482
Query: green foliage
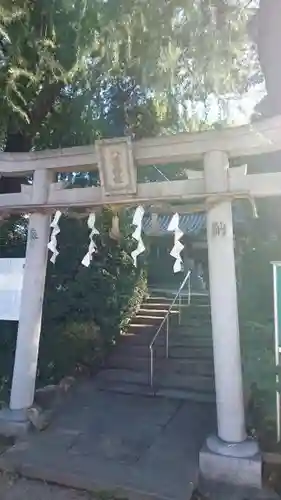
x,y
110,279
259,246
85,309
44,45
72,347
13,237
259,377
7,352
72,71
165,44
56,51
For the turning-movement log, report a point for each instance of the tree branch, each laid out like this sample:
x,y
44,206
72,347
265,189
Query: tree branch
x,y
43,104
21,141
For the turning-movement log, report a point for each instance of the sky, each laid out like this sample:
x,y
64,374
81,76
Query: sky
x,y
238,110
241,110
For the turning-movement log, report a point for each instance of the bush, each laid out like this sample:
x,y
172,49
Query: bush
x,y
259,248
259,377
8,338
84,308
80,345
73,348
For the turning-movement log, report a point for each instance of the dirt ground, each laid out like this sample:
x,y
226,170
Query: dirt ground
x,y
13,488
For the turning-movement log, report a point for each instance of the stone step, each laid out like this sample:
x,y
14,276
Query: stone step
x,y
195,321
139,328
200,311
124,388
193,382
186,366
144,310
196,330
175,339
200,299
158,305
198,308
183,352
142,338
162,299
112,375
200,383
181,394
196,325
188,316
166,302
198,397
152,319
183,366
118,361
148,318
191,310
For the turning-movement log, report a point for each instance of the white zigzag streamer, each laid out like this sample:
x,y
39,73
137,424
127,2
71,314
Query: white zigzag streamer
x,y
52,245
92,246
178,246
137,221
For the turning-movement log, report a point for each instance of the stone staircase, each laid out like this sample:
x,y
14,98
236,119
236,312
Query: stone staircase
x,y
186,374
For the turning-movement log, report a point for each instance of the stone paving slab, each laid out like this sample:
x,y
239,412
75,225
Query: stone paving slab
x,y
138,447
14,488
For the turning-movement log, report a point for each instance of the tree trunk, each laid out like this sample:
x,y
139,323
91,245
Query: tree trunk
x,y
16,143
268,39
19,142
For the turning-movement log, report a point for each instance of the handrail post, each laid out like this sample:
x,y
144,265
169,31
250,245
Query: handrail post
x,y
151,366
189,289
166,320
167,336
180,304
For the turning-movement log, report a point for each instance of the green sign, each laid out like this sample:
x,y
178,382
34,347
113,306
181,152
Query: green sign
x,y
277,328
277,305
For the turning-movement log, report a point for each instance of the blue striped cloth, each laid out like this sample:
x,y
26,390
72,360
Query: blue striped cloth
x,y
189,223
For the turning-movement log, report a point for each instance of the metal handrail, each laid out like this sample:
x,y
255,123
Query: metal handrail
x,y
166,320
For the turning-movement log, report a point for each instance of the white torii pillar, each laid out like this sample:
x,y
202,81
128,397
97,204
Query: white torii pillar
x,y
14,421
243,463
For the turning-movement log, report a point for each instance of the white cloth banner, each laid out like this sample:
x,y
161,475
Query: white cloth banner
x,y
11,282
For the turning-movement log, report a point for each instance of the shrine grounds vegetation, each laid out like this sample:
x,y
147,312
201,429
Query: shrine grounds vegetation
x,y
258,248
85,309
73,71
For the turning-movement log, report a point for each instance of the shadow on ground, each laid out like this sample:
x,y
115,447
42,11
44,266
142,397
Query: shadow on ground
x,y
136,446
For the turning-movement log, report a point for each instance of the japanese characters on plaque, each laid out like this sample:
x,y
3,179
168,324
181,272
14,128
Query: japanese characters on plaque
x,y
218,229
116,166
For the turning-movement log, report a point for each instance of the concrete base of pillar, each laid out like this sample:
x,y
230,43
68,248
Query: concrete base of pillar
x,y
13,423
222,491
235,464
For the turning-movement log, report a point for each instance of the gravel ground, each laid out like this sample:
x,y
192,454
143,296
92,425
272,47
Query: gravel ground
x,y
13,488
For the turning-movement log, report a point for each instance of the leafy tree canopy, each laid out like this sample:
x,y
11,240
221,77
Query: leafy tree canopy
x,y
56,51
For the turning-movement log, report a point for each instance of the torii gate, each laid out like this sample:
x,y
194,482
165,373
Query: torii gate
x,y
229,456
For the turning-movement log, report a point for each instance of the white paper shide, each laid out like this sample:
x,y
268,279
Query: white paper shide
x,y
52,246
137,221
178,246
92,245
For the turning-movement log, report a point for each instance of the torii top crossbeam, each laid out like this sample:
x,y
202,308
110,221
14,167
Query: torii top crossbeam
x,y
117,160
